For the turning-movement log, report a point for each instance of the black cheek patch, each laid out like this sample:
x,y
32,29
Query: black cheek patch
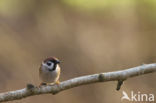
x,y
54,67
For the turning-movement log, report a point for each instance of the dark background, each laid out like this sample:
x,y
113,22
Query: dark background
x,y
87,36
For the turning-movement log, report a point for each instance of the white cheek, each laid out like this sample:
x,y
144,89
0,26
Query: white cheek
x,y
48,67
51,66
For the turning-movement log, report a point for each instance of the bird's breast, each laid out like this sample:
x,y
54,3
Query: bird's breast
x,y
49,76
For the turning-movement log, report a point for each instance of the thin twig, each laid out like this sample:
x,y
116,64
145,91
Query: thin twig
x,y
83,80
120,82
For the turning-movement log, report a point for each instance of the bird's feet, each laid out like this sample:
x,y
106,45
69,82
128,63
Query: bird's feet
x,y
42,84
57,82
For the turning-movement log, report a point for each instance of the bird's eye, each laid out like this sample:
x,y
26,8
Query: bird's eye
x,y
48,63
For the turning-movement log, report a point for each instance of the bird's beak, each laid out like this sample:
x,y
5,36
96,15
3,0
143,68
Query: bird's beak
x,y
58,62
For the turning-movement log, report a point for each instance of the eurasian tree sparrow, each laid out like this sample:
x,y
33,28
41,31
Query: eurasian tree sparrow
x,y
49,71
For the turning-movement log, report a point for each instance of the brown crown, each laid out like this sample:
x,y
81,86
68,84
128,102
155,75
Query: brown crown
x,y
51,59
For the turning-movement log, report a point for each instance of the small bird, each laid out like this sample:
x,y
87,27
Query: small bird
x,y
49,71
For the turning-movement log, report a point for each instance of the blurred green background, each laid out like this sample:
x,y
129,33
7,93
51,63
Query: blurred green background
x,y
87,36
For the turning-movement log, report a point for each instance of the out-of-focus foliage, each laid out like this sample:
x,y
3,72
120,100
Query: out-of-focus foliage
x,y
96,4
87,36
16,7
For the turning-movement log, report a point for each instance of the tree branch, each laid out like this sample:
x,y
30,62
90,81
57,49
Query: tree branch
x,y
119,76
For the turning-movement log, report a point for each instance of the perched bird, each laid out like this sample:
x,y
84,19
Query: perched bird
x,y
49,71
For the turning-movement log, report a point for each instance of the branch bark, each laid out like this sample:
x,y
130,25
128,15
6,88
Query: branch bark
x,y
83,80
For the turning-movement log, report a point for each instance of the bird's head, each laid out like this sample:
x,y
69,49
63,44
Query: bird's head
x,y
50,63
